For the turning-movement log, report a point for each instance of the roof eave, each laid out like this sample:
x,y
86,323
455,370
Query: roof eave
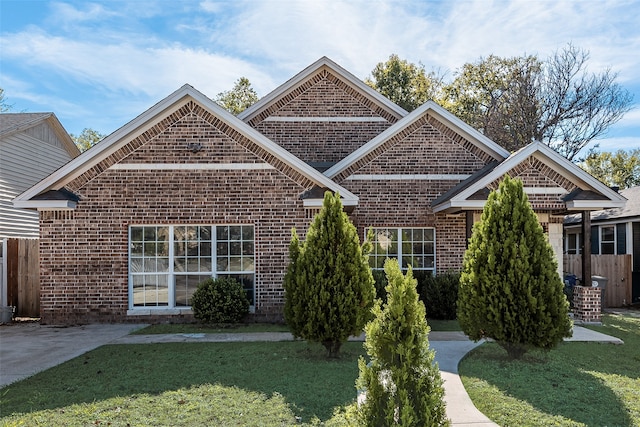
x,y
429,107
593,205
147,119
44,205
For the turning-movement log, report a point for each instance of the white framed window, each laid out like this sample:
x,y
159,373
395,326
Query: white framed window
x,y
572,243
167,262
415,247
608,240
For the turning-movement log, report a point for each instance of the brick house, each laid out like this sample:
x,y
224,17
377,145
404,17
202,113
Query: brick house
x,y
187,191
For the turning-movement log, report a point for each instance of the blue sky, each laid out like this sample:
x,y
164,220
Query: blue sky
x,y
100,64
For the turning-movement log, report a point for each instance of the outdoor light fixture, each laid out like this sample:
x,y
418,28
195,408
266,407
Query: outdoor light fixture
x,y
194,147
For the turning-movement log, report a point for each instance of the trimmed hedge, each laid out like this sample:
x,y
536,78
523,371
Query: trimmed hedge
x,y
220,300
438,293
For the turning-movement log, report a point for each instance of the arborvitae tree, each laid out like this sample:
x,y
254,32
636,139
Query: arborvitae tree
x,y
510,289
328,285
402,384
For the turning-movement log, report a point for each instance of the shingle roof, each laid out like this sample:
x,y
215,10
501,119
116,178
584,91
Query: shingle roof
x,y
630,209
10,122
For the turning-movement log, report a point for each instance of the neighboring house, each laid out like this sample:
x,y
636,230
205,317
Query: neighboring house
x,y
187,191
32,146
613,232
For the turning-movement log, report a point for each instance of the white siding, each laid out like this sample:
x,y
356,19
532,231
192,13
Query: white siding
x,y
25,161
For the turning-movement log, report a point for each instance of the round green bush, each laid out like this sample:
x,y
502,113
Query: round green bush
x,y
220,300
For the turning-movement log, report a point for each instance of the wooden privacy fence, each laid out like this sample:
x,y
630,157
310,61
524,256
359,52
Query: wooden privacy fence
x,y
616,268
23,276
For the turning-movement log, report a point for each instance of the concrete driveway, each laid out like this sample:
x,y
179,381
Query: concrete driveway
x,y
28,348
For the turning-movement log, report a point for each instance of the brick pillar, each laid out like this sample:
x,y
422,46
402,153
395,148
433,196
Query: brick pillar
x,y
586,304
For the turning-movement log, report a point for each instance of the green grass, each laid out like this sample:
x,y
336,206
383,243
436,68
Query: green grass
x,y
443,325
576,384
184,384
191,328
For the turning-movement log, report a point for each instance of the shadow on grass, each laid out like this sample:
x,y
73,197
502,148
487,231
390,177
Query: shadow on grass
x,y
310,383
562,383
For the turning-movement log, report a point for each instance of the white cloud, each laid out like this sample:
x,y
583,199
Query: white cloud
x,y
128,68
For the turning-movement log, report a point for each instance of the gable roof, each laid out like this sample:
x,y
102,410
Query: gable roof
x,y
630,210
11,123
442,115
148,119
598,195
313,69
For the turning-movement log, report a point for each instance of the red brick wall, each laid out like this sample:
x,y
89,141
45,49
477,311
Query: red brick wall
x,y
85,255
422,149
323,95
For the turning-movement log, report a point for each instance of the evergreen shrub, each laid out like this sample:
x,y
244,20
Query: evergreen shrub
x,y
440,295
510,289
328,285
401,384
220,300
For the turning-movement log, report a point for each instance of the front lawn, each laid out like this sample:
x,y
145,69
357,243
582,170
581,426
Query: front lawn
x,y
577,384
185,384
198,328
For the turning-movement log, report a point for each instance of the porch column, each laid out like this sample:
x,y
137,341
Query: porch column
x,y
586,299
585,248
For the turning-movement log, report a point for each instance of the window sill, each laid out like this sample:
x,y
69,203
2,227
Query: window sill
x,y
158,311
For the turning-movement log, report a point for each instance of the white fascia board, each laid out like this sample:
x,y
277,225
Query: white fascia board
x,y
575,174
478,139
303,75
107,146
318,203
45,204
473,135
593,205
561,165
499,171
148,119
451,206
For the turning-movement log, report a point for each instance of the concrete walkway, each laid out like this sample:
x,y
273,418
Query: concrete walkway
x,y
26,349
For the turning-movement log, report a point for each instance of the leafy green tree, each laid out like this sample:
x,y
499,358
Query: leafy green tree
x,y
620,169
402,384
87,139
510,289
497,96
239,98
328,285
515,101
405,83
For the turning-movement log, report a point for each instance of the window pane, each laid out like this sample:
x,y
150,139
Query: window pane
x,y
608,234
607,249
235,248
235,263
136,234
222,248
247,264
186,286
247,248
247,232
222,232
150,249
205,233
136,265
235,232
222,264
